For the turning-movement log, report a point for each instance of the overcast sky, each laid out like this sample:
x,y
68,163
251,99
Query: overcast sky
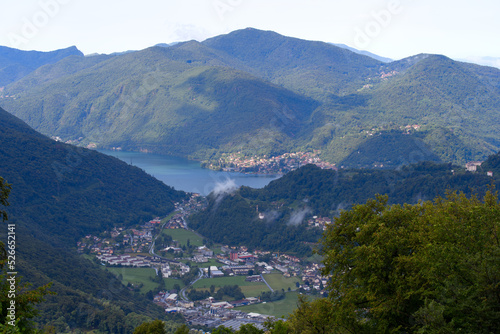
x,y
392,28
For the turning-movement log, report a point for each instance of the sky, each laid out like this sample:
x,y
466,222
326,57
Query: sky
x,y
460,29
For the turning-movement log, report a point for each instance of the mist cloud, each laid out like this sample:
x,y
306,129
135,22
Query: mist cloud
x,y
222,189
297,217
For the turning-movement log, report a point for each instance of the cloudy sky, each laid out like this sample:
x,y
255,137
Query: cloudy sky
x,y
461,29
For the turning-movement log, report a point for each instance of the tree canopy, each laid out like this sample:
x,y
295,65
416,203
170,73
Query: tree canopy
x,y
432,267
17,301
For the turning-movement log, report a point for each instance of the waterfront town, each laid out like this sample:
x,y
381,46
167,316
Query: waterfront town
x,y
281,164
193,267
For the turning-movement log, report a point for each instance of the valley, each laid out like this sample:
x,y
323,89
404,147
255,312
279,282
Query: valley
x,y
192,279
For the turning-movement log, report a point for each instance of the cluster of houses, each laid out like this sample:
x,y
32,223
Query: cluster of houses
x,y
139,239
319,222
273,165
211,313
135,240
313,279
125,260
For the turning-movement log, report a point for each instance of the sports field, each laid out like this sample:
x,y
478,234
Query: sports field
x,y
277,281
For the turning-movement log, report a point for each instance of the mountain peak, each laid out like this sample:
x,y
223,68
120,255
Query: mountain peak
x,y
16,64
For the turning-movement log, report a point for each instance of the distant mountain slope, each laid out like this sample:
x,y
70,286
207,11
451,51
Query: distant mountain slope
x,y
259,92
365,53
15,64
177,100
59,194
51,72
311,68
389,150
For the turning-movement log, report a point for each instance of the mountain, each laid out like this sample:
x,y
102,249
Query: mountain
x,y
15,64
262,93
365,53
452,107
308,67
180,100
61,193
275,217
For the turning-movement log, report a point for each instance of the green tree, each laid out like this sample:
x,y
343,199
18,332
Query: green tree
x,y
183,329
249,329
153,327
278,327
4,194
312,317
222,330
17,300
433,267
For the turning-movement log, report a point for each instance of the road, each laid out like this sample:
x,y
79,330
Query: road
x,y
264,280
182,294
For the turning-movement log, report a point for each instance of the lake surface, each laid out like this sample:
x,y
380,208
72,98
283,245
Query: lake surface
x,y
187,175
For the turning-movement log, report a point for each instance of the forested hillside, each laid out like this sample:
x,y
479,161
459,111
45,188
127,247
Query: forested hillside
x,y
285,204
59,194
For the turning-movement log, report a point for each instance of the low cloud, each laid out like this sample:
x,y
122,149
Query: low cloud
x,y
297,217
222,189
271,216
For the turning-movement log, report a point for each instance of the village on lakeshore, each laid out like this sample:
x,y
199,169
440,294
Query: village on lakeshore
x,y
211,285
281,164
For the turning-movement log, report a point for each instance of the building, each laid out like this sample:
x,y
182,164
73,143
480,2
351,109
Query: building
x,y
472,166
203,250
215,272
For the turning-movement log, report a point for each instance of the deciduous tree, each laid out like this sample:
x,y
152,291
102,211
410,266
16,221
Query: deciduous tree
x,y
433,267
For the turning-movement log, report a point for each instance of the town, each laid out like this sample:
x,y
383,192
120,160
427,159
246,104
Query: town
x,y
211,285
281,164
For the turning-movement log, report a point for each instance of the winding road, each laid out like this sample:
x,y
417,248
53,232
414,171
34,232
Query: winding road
x,y
182,294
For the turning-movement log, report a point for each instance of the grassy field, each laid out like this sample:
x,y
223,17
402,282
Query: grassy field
x,y
280,308
277,281
135,276
142,275
249,289
181,235
216,249
211,262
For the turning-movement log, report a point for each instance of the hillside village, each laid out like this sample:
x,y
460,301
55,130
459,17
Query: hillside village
x,y
143,246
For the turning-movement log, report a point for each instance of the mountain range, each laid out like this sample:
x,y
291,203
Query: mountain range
x,y
262,93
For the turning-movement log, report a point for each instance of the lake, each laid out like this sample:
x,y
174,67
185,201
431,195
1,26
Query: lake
x,y
187,175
